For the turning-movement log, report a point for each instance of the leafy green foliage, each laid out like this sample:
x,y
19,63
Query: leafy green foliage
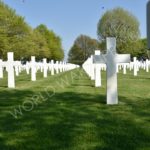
x,y
144,51
53,43
121,24
83,47
76,117
17,36
76,55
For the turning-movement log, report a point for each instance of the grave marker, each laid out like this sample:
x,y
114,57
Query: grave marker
x,y
45,67
1,68
10,70
33,68
52,67
97,71
111,58
135,67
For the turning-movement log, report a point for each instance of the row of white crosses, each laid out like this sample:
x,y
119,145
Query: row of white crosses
x,y
135,66
16,66
94,70
111,58
113,62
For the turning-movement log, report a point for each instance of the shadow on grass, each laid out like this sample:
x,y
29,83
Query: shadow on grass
x,y
69,121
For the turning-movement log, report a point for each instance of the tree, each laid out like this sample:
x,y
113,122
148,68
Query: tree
x,y
83,47
40,47
14,32
75,55
144,52
121,24
53,41
17,36
4,19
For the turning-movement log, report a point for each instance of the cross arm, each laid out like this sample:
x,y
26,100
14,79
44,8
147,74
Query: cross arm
x,y
99,59
122,58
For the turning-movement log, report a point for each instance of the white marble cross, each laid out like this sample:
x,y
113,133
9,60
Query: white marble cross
x,y
97,71
57,67
27,67
17,66
135,65
89,67
33,68
63,67
1,68
60,66
52,67
111,58
147,65
45,67
10,70
125,65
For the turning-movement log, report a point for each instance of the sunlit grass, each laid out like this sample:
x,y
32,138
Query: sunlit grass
x,y
71,114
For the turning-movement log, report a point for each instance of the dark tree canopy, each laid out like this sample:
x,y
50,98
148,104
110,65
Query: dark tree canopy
x,y
82,48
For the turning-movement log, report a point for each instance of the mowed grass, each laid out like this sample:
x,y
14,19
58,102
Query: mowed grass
x,y
66,112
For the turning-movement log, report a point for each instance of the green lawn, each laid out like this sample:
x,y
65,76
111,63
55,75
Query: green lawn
x,y
66,112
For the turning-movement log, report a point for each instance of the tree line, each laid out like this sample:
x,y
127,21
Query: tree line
x,y
117,23
18,37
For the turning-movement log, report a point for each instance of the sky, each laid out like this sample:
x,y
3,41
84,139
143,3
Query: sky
x,y
70,18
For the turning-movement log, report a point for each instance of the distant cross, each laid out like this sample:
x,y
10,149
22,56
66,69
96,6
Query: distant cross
x,y
45,67
98,71
52,67
33,68
111,58
10,70
147,65
92,75
135,66
57,67
1,68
